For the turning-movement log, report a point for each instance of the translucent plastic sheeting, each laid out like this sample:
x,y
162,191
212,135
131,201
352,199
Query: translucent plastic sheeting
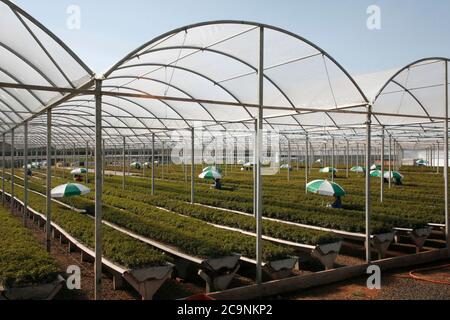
x,y
31,55
219,62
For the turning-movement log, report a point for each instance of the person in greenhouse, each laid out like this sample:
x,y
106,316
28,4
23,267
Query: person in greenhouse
x,y
217,184
398,181
337,204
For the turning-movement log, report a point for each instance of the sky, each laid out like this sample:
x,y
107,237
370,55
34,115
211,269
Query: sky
x,y
109,29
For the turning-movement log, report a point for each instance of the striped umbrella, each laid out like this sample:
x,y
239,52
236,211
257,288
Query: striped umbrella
x,y
358,169
69,190
328,170
136,165
78,171
213,168
325,188
387,174
422,162
375,167
210,174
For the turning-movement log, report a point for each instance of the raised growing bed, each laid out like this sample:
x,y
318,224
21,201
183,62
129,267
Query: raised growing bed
x,y
145,269
27,271
205,249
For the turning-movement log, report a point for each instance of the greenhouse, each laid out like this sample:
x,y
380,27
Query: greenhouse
x,y
262,110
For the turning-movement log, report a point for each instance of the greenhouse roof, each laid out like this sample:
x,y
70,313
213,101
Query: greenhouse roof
x,y
206,76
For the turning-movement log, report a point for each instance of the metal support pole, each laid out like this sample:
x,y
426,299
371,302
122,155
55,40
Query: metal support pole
x,y
258,160
390,161
382,166
368,204
192,167
63,162
395,155
123,162
289,161
103,161
447,218
73,156
332,159
347,150
255,142
49,180
153,164
98,188
86,165
162,161
25,176
438,158
12,171
3,167
307,163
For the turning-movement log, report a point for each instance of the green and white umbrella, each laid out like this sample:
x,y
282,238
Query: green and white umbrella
x,y
422,162
328,170
136,165
325,188
69,190
357,169
78,171
210,174
318,161
248,165
387,174
375,167
213,168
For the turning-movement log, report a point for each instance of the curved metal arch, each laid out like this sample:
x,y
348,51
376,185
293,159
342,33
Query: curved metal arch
x,y
198,74
156,118
140,106
29,63
108,113
17,9
20,82
249,23
39,130
111,115
165,102
85,114
16,99
61,119
181,68
11,109
415,98
91,115
236,59
412,64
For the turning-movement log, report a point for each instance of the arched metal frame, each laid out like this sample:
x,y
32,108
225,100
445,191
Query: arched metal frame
x,y
68,102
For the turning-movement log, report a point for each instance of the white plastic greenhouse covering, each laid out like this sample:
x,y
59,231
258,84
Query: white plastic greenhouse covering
x,y
31,55
206,75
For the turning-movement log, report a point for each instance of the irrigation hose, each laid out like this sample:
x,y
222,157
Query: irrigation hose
x,y
412,275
